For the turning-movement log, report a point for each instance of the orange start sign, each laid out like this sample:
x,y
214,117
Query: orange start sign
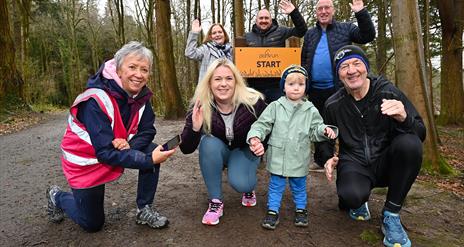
x,y
265,61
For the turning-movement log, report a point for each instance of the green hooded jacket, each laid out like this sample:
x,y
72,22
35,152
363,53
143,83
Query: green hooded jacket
x,y
292,128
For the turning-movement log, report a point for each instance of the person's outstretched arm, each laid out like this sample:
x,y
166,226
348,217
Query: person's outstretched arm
x,y
191,50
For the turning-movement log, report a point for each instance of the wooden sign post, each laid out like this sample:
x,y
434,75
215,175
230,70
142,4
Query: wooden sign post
x,y
265,61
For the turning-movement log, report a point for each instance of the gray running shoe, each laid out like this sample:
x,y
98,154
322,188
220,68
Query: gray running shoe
x,y
55,214
151,217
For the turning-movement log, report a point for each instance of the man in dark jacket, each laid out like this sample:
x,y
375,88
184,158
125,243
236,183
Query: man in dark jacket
x,y
320,44
380,145
266,32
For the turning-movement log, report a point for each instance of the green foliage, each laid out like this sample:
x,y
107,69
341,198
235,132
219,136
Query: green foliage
x,y
380,191
11,104
44,107
371,237
443,168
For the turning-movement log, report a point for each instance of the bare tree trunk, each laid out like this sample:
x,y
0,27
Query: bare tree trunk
x,y
219,11
119,26
16,20
267,4
172,97
344,10
428,57
223,10
381,41
250,21
452,94
412,78
11,83
93,32
120,9
25,17
239,22
276,8
213,12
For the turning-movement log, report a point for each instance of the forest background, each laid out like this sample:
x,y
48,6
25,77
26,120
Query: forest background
x,y
49,48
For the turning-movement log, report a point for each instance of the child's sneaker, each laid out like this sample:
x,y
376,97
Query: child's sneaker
x,y
395,235
271,220
301,217
249,199
362,213
214,212
55,214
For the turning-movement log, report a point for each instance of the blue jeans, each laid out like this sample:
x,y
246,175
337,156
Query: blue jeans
x,y
277,185
85,206
241,166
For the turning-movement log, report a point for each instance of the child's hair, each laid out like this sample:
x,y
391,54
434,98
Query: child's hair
x,y
294,68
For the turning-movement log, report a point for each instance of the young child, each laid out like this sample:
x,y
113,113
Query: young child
x,y
293,123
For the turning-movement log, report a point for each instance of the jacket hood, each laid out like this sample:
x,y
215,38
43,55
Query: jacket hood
x,y
289,106
107,79
274,26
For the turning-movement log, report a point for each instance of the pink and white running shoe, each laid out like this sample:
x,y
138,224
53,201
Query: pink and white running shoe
x,y
249,199
214,212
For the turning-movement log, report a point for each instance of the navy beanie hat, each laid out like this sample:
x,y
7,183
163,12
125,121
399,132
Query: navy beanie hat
x,y
293,69
347,52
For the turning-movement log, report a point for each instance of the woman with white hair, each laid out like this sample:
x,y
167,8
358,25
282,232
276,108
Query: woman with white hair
x,y
222,111
110,127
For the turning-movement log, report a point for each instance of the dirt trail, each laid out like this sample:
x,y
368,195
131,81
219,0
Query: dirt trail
x,y
29,162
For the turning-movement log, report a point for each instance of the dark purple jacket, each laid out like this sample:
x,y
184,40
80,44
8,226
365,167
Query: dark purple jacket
x,y
243,120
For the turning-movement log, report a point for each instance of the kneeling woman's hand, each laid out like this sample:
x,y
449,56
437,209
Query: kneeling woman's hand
x,y
160,156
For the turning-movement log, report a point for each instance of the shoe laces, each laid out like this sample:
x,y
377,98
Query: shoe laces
x,y
214,206
249,195
393,224
360,211
301,212
271,216
149,212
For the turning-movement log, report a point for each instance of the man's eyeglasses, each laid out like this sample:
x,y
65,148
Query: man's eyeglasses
x,y
321,8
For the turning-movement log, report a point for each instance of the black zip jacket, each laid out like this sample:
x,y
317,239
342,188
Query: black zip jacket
x,y
364,136
275,36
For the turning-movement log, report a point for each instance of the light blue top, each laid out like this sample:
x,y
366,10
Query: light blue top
x,y
321,71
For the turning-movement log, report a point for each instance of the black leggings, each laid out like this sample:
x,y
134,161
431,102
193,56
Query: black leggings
x,y
397,169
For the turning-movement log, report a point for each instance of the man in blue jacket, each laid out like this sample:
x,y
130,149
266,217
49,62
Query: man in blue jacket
x,y
320,44
266,32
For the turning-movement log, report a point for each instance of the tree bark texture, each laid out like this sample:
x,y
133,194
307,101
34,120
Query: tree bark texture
x,y
452,94
411,70
172,98
381,40
11,84
239,21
